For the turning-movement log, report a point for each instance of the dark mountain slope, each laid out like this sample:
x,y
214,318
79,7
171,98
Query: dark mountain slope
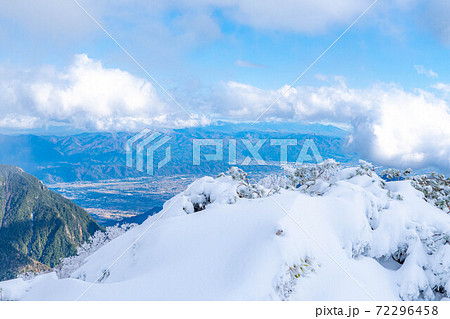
x,y
38,227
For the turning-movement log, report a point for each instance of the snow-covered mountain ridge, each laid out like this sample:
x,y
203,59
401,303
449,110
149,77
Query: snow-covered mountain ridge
x,y
347,235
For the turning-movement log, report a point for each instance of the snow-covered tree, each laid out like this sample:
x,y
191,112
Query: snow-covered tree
x,y
100,238
308,176
435,188
246,189
395,174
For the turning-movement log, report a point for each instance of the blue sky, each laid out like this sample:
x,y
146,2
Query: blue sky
x,y
229,59
383,46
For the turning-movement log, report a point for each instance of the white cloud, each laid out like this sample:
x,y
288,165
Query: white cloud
x,y
421,70
406,129
55,17
444,87
87,96
18,122
436,17
321,77
196,22
298,16
304,16
249,64
390,125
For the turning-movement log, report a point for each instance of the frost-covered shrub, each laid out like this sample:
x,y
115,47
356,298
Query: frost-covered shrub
x,y
365,168
29,275
306,176
420,247
199,202
395,174
380,224
424,273
100,238
208,190
226,188
275,182
251,191
435,188
245,189
237,174
287,282
426,268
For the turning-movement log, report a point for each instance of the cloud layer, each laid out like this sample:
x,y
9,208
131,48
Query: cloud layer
x,y
299,16
389,125
66,19
437,17
86,95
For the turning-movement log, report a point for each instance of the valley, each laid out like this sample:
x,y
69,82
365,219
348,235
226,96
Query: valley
x,y
123,200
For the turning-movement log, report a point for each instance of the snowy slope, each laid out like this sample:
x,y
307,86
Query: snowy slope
x,y
334,242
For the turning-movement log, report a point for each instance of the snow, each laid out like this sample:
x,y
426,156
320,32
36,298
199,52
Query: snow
x,y
216,241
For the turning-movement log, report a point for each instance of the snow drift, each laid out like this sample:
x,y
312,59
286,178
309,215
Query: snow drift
x,y
343,234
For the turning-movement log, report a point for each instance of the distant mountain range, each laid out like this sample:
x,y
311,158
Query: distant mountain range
x,y
38,227
101,156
